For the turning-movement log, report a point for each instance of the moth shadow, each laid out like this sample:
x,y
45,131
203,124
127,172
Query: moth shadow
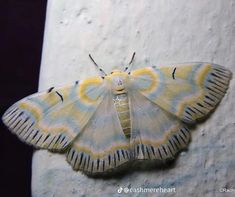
x,y
154,165
137,166
117,173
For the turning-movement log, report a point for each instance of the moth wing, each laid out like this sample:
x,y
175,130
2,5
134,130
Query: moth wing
x,y
189,91
155,133
52,119
102,145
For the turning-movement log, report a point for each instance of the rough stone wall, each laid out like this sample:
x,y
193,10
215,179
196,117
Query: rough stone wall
x,y
161,32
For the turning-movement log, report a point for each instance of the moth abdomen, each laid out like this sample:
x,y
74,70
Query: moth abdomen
x,y
121,104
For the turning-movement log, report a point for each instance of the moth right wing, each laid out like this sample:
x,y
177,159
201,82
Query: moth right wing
x,y
155,133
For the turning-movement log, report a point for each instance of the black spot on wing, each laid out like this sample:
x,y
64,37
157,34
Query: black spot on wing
x,y
98,163
109,157
118,155
50,89
152,149
173,73
164,149
159,152
61,97
123,154
80,162
169,148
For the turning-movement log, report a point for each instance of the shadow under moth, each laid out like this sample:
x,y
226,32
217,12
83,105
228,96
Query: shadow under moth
x,y
109,120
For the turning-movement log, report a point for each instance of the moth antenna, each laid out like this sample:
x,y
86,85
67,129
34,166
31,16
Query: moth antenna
x,y
132,59
97,66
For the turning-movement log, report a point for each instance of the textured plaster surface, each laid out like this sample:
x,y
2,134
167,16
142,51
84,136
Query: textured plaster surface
x,y
161,32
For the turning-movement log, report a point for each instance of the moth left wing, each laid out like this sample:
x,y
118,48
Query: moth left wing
x,y
155,133
52,119
189,91
102,145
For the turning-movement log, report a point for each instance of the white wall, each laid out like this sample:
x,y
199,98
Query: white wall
x,y
161,32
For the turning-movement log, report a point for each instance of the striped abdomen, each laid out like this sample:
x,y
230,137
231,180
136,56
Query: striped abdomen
x,y
122,106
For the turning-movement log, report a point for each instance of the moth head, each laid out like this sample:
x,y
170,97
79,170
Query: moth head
x,y
118,81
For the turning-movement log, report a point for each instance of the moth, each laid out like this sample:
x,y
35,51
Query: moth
x,y
106,121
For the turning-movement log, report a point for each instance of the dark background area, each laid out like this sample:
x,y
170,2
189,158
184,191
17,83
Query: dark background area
x,y
21,38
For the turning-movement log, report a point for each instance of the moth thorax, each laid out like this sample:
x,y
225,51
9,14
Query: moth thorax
x,y
121,104
118,84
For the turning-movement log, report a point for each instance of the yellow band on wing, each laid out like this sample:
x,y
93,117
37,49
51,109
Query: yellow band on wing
x,y
32,108
152,78
99,154
201,74
84,88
